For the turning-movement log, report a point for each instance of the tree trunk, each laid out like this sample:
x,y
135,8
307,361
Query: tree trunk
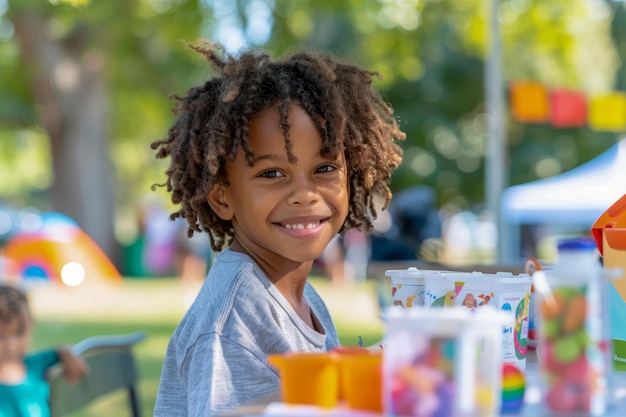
x,y
68,87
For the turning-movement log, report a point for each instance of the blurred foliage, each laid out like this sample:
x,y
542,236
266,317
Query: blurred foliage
x,y
430,52
432,57
23,151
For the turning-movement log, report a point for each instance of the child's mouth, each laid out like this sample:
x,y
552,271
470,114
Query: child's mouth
x,y
301,226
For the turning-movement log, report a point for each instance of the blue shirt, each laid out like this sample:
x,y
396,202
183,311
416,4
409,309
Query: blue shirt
x,y
30,397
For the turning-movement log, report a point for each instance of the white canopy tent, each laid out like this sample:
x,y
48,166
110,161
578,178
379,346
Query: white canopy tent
x,y
576,197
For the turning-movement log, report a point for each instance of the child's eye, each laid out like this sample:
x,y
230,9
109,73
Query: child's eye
x,y
326,168
271,173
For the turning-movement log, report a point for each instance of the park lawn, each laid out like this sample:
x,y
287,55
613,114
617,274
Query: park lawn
x,y
67,315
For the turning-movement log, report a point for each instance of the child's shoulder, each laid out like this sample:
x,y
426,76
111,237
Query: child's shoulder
x,y
233,285
233,271
231,263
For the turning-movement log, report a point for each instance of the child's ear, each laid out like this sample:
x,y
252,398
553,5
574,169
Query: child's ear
x,y
218,201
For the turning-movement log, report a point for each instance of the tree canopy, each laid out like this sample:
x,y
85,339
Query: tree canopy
x,y
59,57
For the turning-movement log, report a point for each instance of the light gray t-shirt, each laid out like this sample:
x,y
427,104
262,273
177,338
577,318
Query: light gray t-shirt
x,y
217,357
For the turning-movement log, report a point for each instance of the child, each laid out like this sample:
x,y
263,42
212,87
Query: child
x,y
24,390
271,158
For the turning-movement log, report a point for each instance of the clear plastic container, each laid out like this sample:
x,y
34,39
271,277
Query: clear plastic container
x,y
573,347
442,362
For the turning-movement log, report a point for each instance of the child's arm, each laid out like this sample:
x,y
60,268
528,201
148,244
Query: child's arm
x,y
74,367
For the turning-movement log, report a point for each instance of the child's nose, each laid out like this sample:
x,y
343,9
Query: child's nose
x,y
303,191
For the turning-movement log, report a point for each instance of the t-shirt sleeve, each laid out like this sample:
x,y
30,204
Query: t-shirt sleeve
x,y
40,361
171,398
221,374
215,375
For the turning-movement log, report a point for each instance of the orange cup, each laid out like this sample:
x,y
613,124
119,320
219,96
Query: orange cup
x,y
345,352
308,378
361,380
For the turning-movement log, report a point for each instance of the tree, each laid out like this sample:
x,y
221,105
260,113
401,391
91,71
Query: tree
x,y
432,57
94,75
64,75
77,59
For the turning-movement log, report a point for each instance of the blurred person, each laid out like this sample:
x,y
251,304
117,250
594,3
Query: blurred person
x,y
412,221
345,258
160,234
332,261
24,390
193,255
272,158
357,249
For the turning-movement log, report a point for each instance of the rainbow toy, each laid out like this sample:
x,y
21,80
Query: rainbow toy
x,y
57,251
513,387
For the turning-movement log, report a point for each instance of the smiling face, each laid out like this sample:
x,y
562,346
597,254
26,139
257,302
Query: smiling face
x,y
283,212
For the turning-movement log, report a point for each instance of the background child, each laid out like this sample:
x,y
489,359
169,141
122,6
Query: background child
x,y
271,158
24,390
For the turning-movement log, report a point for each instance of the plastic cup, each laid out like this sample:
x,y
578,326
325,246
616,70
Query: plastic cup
x,y
308,378
345,352
361,380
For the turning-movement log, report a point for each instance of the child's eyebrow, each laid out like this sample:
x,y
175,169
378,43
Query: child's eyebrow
x,y
274,157
268,157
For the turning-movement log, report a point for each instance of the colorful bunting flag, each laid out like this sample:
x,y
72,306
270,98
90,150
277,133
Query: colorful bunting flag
x,y
529,101
568,108
608,112
532,102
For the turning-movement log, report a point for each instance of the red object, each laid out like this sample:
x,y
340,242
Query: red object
x,y
567,398
568,109
613,224
547,359
578,372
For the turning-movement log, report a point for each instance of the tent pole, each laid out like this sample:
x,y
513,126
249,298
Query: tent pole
x,y
495,156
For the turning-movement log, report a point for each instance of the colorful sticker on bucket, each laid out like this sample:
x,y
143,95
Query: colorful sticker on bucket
x,y
407,287
476,290
446,300
515,334
474,300
522,318
515,337
442,291
405,295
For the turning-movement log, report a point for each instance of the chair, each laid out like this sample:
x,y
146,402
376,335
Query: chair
x,y
111,367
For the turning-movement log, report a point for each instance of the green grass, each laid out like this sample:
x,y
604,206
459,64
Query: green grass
x,y
65,316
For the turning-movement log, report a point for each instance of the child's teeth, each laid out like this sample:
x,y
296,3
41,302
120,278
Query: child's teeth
x,y
301,226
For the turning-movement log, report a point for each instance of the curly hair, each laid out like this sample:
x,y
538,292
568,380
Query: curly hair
x,y
12,302
212,123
